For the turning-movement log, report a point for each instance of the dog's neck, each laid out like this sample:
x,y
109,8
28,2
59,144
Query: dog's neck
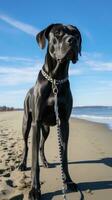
x,y
56,70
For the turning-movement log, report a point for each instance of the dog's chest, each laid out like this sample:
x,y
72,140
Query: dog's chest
x,y
50,101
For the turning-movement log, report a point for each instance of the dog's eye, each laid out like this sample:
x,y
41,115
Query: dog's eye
x,y
57,32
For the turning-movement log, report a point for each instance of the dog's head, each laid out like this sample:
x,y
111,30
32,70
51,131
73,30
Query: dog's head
x,y
64,42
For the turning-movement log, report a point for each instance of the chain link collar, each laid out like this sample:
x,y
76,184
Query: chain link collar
x,y
57,82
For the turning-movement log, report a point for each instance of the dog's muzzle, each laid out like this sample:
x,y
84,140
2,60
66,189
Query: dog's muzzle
x,y
72,53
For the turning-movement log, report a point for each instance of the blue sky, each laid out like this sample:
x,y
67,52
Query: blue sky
x,y
21,58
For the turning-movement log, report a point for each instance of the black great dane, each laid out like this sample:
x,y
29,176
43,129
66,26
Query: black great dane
x,y
64,45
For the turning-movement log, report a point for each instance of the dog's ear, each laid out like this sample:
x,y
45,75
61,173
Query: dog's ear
x,y
43,35
76,31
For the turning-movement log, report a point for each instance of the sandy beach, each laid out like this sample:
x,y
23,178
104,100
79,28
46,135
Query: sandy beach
x,y
90,161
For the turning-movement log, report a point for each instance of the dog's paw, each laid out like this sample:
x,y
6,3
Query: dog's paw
x,y
34,194
22,167
71,186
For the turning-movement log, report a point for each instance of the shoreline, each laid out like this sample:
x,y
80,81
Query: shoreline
x,y
89,160
95,120
107,121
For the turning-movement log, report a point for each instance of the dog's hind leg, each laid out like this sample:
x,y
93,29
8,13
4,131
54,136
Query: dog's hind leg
x,y
26,126
45,133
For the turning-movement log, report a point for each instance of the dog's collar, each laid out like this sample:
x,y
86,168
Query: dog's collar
x,y
57,82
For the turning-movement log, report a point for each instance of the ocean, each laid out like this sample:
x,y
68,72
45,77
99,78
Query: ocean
x,y
99,114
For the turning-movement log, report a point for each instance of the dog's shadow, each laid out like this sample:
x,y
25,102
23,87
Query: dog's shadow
x,y
50,195
97,185
105,161
84,186
17,197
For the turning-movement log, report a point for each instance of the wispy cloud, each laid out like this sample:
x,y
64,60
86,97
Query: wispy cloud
x,y
75,72
18,70
14,76
91,55
29,29
18,61
13,58
95,62
23,70
99,65
106,83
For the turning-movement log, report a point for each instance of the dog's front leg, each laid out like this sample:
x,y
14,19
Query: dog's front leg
x,y
64,138
35,193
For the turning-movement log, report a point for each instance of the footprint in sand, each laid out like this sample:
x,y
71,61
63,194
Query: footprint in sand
x,y
5,148
10,183
2,142
12,145
11,138
24,182
20,155
2,156
7,160
4,192
7,175
2,171
13,158
17,162
22,186
10,153
12,167
5,129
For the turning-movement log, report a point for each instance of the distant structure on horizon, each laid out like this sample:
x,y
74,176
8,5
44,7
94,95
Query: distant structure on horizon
x,y
6,108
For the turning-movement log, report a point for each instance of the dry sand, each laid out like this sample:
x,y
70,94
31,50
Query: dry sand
x,y
90,161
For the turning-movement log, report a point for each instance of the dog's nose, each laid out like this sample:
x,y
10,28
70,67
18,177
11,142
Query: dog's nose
x,y
70,39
